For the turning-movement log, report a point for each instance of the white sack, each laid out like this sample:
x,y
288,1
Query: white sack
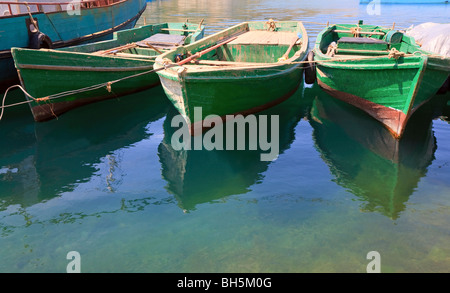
x,y
434,37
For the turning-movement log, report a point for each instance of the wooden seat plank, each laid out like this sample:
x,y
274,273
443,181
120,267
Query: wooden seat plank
x,y
163,41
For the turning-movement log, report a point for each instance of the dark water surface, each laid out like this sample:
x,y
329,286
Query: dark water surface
x,y
105,181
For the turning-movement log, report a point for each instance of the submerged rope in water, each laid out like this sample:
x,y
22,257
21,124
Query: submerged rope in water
x,y
15,104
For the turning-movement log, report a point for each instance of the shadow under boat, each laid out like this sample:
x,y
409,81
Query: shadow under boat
x,y
62,153
367,160
202,176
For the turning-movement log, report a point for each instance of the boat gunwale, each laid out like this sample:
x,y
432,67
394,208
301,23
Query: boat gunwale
x,y
229,78
68,68
86,68
300,55
66,51
365,63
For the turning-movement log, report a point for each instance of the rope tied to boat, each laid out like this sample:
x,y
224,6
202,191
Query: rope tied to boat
x,y
394,53
332,48
166,62
356,31
271,25
44,99
3,106
108,86
35,25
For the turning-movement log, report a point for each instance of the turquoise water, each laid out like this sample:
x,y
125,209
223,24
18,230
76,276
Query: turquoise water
x,y
105,181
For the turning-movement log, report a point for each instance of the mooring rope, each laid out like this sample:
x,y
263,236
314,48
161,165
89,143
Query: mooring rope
x,y
108,85
15,104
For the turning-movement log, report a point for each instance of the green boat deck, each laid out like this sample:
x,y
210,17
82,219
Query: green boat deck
x,y
379,70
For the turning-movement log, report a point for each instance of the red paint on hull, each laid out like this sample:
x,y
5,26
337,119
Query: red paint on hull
x,y
394,120
198,128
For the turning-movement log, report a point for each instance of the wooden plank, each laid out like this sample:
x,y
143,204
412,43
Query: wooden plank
x,y
178,30
361,33
135,56
264,37
165,39
228,63
162,41
116,49
362,51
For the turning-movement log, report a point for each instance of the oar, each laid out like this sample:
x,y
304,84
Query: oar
x,y
200,53
200,24
152,47
286,55
116,49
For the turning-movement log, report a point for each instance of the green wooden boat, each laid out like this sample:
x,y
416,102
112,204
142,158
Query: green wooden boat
x,y
379,70
55,24
63,79
240,70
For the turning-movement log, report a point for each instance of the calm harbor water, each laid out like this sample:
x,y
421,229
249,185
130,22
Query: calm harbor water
x,y
105,181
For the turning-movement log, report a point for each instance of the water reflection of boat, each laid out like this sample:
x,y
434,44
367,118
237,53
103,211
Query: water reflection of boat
x,y
200,176
365,159
65,152
18,146
445,109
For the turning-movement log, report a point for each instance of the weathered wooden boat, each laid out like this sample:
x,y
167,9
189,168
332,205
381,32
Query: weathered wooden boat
x,y
63,79
240,70
59,23
366,160
379,70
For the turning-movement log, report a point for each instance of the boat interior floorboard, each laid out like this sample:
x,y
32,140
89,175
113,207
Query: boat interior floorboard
x,y
264,37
